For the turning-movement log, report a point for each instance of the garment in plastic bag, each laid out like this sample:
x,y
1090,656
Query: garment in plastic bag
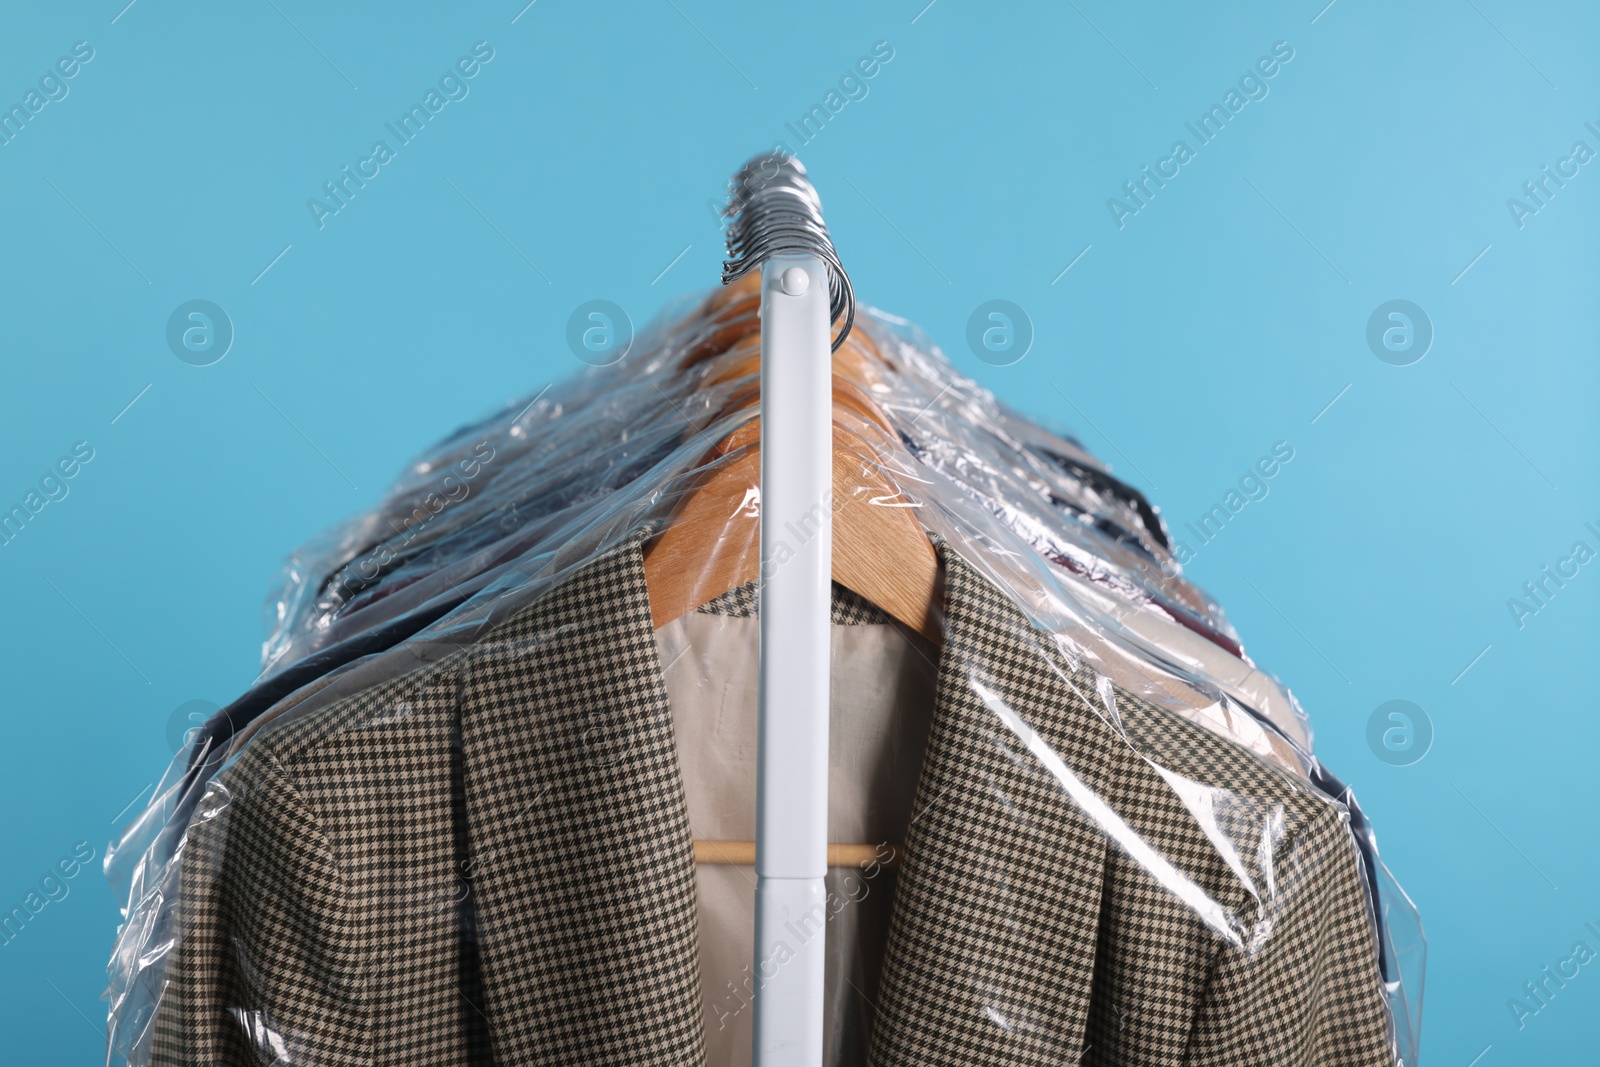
x,y
486,802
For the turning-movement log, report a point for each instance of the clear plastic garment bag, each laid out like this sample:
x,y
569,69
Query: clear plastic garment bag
x,y
493,798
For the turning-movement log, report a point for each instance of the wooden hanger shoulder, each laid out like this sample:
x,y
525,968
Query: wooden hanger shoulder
x,y
880,550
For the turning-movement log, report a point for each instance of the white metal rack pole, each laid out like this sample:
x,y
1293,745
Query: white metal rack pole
x,y
796,585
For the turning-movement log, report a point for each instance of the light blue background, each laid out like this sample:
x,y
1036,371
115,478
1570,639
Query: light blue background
x,y
1224,317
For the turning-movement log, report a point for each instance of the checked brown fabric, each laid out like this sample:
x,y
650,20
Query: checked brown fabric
x,y
488,861
1026,930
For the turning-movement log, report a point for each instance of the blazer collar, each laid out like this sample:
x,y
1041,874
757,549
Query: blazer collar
x,y
582,859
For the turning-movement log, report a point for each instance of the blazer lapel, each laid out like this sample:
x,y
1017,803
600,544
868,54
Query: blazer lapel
x,y
992,946
581,861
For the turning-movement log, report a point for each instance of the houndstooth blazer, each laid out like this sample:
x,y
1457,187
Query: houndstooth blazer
x,y
489,861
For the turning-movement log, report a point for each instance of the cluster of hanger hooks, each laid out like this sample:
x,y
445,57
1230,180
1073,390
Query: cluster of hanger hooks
x,y
774,210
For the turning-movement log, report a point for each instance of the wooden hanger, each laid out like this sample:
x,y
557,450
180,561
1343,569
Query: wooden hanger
x,y
879,549
729,326
743,853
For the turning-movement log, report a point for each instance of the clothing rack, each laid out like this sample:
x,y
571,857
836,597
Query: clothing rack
x,y
775,225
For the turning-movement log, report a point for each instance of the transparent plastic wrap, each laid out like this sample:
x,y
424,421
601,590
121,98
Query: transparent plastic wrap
x,y
491,799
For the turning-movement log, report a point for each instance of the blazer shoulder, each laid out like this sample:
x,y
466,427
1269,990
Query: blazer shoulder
x,y
365,713
1263,823
1199,762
